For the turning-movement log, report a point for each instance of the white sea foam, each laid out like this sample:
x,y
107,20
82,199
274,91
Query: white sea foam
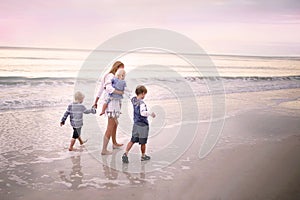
x,y
35,94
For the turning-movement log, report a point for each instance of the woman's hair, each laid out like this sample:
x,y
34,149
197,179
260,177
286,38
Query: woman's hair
x,y
140,89
116,66
78,97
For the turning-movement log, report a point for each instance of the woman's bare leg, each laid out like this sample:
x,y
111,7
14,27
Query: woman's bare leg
x,y
106,137
114,133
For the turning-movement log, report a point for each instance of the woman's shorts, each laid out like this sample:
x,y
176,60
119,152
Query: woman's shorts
x,y
140,133
113,108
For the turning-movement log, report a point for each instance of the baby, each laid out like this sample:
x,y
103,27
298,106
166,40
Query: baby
x,y
118,83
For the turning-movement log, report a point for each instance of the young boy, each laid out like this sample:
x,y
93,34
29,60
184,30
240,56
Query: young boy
x,y
140,128
118,83
76,110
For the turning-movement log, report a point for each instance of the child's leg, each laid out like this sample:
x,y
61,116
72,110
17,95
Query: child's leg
x,y
104,107
144,156
73,140
129,146
125,155
76,134
143,149
81,141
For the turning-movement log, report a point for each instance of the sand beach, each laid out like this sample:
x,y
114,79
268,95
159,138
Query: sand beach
x,y
256,157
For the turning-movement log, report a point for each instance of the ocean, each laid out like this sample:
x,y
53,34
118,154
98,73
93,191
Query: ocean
x,y
39,77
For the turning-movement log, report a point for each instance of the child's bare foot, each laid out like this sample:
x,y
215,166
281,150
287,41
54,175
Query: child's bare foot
x,y
106,152
71,149
102,113
83,142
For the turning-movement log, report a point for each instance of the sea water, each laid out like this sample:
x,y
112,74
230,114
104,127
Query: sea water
x,y
40,77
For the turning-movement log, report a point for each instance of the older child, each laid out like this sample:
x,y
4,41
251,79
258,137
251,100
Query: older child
x,y
140,128
76,110
118,83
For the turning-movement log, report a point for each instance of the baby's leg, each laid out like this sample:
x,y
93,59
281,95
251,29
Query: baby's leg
x,y
104,107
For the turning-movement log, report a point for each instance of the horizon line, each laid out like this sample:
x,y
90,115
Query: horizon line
x,y
182,53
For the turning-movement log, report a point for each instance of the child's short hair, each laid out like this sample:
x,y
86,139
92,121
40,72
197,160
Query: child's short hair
x,y
119,72
78,97
140,89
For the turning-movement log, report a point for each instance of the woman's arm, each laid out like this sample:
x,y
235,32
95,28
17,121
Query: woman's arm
x,y
101,89
108,85
96,102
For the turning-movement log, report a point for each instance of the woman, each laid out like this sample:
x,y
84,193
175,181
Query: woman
x,y
113,109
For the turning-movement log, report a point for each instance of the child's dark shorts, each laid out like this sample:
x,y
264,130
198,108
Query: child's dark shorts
x,y
140,133
76,133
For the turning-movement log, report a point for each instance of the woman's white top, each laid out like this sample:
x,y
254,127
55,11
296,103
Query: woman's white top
x,y
113,109
105,85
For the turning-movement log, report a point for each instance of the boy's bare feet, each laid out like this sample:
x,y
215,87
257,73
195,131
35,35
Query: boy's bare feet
x,y
106,152
71,149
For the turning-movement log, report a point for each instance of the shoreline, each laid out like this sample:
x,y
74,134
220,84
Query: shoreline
x,y
291,103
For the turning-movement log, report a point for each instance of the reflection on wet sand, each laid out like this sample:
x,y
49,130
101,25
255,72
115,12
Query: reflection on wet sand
x,y
106,178
76,176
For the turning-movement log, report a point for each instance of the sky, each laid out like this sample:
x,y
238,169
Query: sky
x,y
248,27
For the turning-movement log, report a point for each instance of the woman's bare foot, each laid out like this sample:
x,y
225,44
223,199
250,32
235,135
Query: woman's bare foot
x,y
118,145
106,152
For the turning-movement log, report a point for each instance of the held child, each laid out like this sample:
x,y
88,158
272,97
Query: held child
x,y
76,110
140,128
118,83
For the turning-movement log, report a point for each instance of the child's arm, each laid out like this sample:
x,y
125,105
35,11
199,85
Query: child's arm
x,y
88,111
64,118
144,112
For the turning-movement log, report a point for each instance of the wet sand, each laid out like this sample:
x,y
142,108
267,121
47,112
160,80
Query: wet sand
x,y
257,157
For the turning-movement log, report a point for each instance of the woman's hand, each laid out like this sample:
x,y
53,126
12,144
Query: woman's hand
x,y
95,104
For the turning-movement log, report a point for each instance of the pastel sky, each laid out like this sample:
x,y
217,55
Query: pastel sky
x,y
253,27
